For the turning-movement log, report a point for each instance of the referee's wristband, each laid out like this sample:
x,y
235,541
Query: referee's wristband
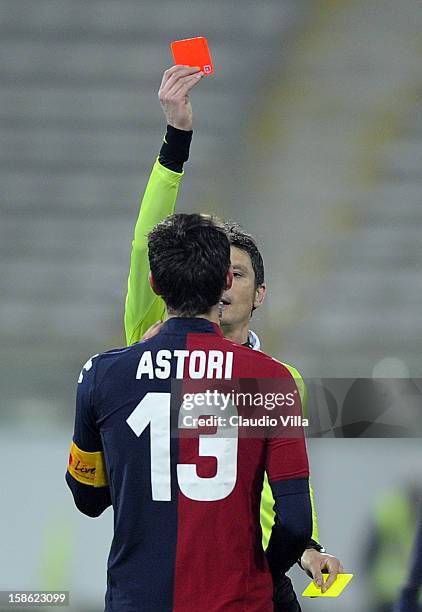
x,y
175,148
312,544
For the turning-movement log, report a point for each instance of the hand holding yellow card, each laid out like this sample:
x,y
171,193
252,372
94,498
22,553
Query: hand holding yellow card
x,y
335,589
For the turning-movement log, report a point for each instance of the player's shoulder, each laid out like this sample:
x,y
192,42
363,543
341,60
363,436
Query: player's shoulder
x,y
104,358
253,362
278,366
294,372
282,368
115,354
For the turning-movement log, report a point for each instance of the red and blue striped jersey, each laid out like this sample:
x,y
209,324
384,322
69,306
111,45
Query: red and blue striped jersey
x,y
187,533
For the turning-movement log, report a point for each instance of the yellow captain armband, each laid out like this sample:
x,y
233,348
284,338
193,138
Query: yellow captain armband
x,y
87,468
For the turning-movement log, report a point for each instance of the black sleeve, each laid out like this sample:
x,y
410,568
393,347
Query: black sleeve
x,y
293,524
89,500
86,473
175,149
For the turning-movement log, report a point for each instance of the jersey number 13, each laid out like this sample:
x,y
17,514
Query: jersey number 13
x,y
154,411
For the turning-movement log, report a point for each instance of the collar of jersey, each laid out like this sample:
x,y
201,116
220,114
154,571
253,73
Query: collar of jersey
x,y
183,325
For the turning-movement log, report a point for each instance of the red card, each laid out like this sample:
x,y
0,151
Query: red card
x,y
193,52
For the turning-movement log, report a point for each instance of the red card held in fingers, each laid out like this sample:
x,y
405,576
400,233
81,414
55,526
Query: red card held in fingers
x,y
193,52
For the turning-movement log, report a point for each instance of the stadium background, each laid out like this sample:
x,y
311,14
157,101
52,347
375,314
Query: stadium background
x,y
309,134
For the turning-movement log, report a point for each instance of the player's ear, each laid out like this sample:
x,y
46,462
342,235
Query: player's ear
x,y
260,293
229,278
153,284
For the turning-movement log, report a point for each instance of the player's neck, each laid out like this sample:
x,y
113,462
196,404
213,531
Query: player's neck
x,y
236,333
212,315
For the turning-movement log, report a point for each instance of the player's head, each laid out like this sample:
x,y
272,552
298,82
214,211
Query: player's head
x,y
248,289
189,257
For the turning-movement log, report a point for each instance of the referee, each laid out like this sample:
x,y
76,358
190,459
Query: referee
x,y
144,309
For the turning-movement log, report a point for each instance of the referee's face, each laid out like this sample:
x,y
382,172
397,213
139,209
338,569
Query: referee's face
x,y
239,300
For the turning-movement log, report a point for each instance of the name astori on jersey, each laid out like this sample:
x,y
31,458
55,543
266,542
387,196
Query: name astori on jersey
x,y
200,364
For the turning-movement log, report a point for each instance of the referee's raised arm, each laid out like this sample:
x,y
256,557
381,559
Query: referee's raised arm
x,y
142,307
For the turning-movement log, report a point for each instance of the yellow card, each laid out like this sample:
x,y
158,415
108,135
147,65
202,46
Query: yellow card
x,y
335,589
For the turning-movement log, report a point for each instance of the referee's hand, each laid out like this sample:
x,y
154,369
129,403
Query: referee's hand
x,y
153,331
315,564
173,94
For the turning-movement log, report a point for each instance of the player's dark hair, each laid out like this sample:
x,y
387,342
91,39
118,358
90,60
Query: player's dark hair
x,y
246,242
189,257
